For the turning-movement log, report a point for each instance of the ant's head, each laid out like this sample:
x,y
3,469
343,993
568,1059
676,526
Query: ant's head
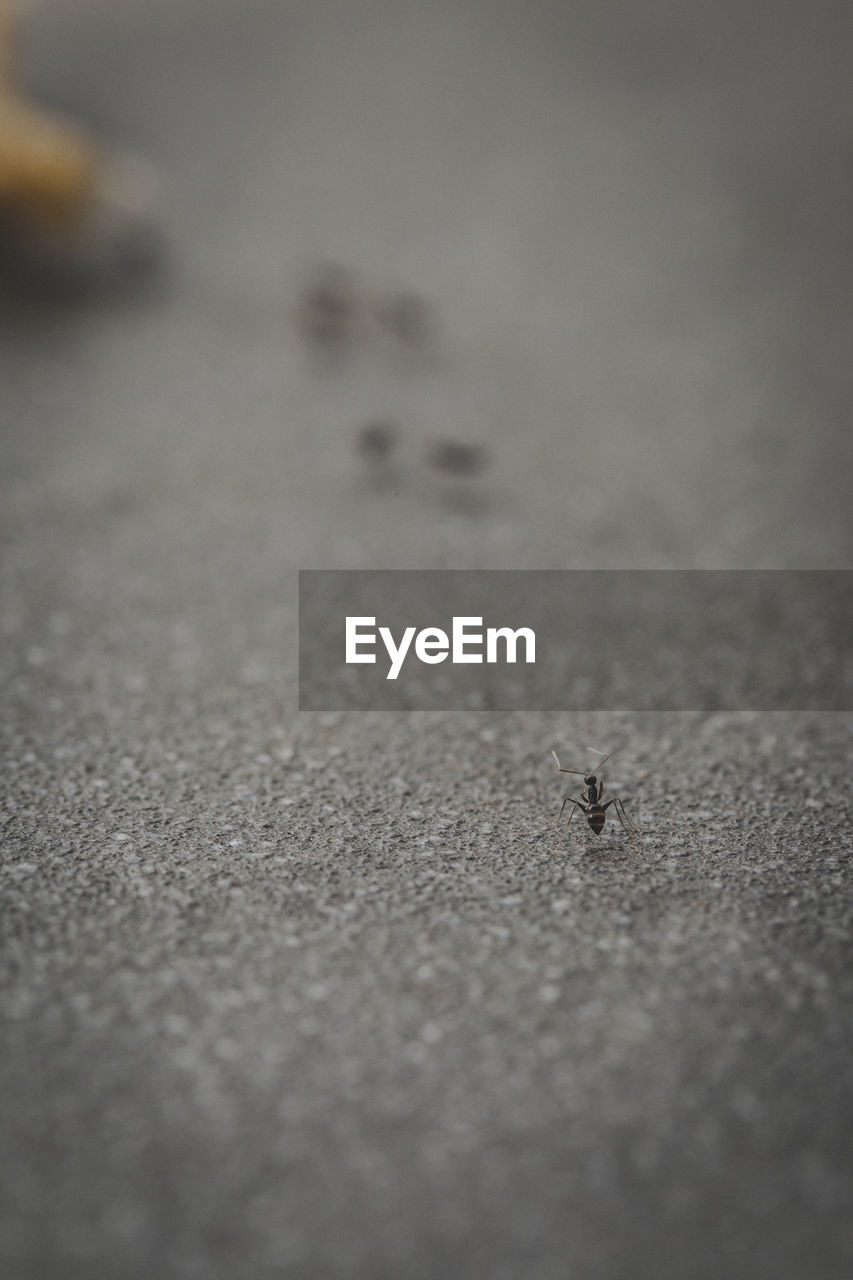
x,y
591,780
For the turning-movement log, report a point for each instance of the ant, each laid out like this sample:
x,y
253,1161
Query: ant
x,y
590,804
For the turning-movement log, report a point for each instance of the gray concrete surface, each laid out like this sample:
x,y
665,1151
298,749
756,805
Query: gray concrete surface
x,y
306,995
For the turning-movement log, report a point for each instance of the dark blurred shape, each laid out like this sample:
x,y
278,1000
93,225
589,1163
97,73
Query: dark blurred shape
x,y
328,308
108,259
377,440
409,318
457,459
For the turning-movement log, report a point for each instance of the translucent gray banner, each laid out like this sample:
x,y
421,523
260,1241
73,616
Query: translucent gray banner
x,y
643,640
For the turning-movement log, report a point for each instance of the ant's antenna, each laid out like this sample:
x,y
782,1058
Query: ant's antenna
x,y
582,773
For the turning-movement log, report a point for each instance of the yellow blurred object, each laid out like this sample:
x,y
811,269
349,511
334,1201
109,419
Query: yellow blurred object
x,y
48,170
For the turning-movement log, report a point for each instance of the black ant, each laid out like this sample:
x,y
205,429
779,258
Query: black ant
x,y
590,803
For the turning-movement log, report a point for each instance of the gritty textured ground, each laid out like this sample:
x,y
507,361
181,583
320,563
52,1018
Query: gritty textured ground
x,y
306,995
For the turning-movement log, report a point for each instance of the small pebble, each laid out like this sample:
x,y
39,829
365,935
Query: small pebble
x,y
458,459
327,308
376,441
408,317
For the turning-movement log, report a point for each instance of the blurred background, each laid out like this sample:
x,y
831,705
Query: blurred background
x,y
435,284
622,233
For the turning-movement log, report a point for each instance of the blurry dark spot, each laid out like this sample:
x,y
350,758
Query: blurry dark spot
x,y
103,262
458,459
409,317
376,441
327,308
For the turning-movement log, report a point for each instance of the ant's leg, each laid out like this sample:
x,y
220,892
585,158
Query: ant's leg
x,y
570,800
627,825
622,815
576,805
